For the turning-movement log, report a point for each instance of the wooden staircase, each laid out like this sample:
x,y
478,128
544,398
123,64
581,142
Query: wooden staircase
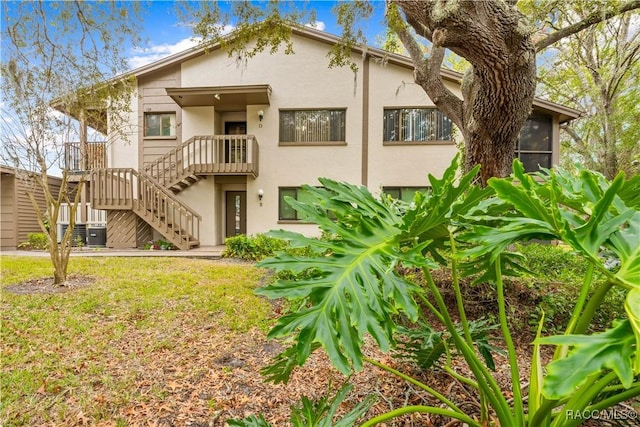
x,y
128,189
150,194
186,164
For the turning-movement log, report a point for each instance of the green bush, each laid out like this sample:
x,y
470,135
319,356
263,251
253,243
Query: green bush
x,y
253,248
556,276
35,241
160,244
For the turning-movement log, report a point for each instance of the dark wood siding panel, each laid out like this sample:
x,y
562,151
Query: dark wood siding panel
x,y
154,98
121,229
8,214
27,216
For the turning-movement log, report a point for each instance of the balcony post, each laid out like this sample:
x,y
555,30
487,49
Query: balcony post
x,y
83,140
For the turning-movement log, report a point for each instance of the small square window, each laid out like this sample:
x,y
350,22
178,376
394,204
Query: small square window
x,y
160,124
286,211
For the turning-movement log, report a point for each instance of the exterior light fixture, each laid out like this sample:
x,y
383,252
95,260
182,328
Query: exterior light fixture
x,y
260,194
260,115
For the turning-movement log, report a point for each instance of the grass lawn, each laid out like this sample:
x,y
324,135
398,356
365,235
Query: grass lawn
x,y
144,330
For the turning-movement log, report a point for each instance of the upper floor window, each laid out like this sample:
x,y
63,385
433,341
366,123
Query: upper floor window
x,y
416,125
312,126
160,124
534,147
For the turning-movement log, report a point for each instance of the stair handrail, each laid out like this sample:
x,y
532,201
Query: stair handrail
x,y
162,205
170,166
127,189
167,193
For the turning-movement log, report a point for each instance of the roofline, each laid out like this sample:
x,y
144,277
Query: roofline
x,y
565,112
11,170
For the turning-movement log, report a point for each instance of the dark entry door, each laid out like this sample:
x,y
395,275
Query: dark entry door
x,y
236,217
235,150
235,128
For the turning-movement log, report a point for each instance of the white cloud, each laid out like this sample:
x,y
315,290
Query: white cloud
x,y
318,25
144,56
147,55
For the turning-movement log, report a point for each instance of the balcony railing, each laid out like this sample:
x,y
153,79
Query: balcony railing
x,y
95,217
95,156
207,155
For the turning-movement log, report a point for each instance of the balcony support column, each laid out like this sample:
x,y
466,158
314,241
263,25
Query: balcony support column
x,y
83,140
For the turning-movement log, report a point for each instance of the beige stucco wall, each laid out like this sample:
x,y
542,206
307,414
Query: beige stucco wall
x,y
201,198
197,121
400,165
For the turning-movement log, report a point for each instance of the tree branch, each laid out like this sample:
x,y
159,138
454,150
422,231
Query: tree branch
x,y
427,75
594,18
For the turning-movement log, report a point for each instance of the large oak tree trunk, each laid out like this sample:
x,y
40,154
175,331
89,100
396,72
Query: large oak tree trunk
x,y
498,102
497,93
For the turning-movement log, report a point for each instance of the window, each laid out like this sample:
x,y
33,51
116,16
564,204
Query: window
x,y
312,125
160,124
403,193
416,125
285,211
534,143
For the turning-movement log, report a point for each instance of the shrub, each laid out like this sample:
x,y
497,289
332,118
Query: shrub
x,y
253,248
160,245
557,273
35,241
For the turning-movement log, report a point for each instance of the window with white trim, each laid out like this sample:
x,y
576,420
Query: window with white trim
x,y
160,124
416,125
311,126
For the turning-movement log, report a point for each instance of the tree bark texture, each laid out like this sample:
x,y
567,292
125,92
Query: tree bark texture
x,y
497,93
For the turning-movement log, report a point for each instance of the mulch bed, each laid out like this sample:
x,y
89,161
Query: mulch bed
x,y
45,285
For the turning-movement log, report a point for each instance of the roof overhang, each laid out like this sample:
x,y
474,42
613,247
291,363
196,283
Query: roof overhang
x,y
223,98
564,113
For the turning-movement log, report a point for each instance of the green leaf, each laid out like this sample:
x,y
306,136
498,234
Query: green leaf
x,y
350,418
536,375
355,289
630,192
250,421
282,366
423,345
632,307
591,354
625,242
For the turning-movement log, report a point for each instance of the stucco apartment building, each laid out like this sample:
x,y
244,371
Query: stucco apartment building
x,y
217,145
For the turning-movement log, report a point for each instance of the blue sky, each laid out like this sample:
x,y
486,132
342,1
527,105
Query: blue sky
x,y
166,34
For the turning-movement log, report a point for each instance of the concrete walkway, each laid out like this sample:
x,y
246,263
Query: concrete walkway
x,y
204,252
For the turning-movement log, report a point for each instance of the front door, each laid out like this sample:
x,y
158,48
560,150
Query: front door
x,y
236,217
235,150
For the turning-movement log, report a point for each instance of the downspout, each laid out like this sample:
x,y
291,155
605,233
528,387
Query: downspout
x,y
365,120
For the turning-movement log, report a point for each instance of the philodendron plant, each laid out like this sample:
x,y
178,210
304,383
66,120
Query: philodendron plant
x,y
351,286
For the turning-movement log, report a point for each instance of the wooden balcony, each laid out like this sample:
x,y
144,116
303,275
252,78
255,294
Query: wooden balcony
x,y
93,157
207,155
